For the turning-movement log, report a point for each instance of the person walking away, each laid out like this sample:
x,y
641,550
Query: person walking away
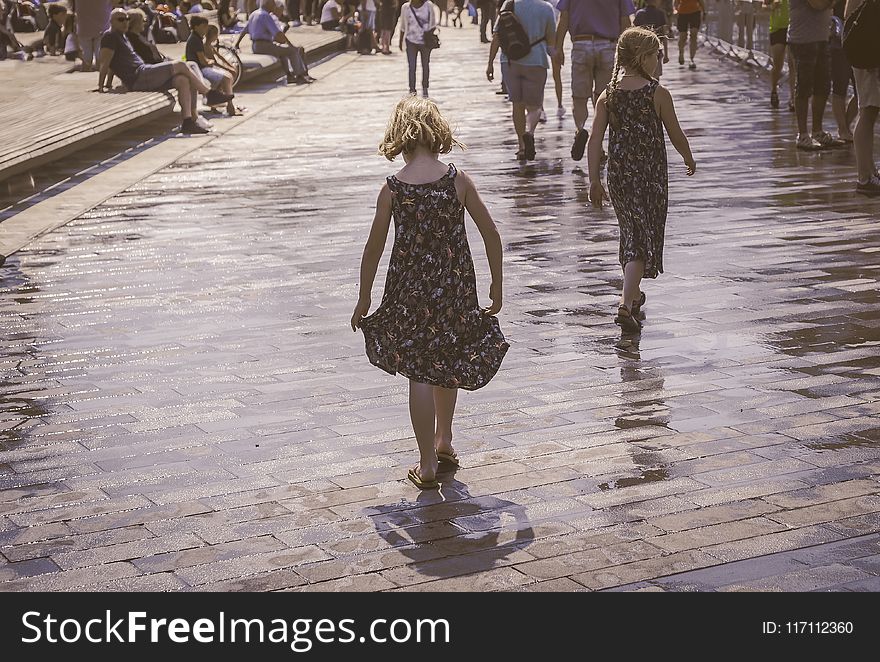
x,y
868,91
843,109
637,108
386,18
487,18
594,26
690,14
809,29
429,326
778,44
92,21
556,68
652,17
525,75
416,18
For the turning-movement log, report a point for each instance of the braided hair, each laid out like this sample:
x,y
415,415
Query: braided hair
x,y
632,46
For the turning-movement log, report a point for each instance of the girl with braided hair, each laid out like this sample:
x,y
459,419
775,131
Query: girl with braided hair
x,y
638,108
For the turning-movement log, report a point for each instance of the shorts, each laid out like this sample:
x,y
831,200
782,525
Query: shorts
x,y
592,63
689,21
525,84
778,37
841,73
812,68
153,77
214,76
868,87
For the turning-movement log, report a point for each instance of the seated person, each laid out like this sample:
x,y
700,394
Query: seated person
x,y
227,16
212,52
330,15
54,36
118,55
137,23
220,81
268,38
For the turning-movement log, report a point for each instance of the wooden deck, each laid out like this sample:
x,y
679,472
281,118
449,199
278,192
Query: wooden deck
x,y
50,111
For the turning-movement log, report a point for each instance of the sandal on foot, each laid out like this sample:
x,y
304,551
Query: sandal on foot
x,y
448,458
416,479
637,307
626,321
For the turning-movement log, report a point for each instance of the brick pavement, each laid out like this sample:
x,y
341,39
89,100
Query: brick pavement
x,y
183,407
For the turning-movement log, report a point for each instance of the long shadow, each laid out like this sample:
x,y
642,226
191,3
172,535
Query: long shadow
x,y
471,530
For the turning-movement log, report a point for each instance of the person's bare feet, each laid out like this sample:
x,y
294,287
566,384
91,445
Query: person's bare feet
x,y
426,473
444,446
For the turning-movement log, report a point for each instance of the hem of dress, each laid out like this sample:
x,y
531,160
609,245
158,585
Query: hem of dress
x,y
433,382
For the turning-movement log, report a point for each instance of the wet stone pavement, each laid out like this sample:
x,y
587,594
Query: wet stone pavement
x,y
184,408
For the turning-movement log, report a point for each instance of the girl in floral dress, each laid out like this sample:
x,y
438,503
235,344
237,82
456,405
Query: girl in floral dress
x,y
429,326
638,108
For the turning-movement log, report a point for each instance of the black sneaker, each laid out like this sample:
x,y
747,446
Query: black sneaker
x,y
871,188
529,146
190,127
580,144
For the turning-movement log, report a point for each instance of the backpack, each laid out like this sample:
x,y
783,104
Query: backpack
x,y
860,41
512,35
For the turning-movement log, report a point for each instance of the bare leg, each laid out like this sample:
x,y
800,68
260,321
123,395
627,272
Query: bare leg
x,y
791,74
519,121
181,69
818,112
557,81
444,407
682,40
801,107
581,111
421,413
693,43
632,277
531,118
838,107
777,52
864,142
181,84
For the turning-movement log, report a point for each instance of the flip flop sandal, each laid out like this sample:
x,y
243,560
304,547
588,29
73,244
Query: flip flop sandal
x,y
626,321
637,307
422,484
448,458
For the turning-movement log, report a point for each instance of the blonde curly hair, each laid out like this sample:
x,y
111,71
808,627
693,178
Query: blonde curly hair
x,y
417,121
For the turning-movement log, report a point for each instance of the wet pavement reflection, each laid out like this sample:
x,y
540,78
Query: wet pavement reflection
x,y
184,408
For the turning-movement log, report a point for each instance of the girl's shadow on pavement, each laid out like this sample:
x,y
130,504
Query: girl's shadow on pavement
x,y
449,533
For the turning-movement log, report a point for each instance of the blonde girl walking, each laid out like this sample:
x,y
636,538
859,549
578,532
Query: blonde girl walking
x,y
638,108
429,326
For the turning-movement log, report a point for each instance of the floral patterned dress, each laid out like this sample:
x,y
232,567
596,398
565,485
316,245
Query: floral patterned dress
x,y
429,326
637,178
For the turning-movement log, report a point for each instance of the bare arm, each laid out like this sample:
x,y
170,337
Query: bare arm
x,y
493,51
372,254
203,60
594,150
104,75
491,239
561,29
673,128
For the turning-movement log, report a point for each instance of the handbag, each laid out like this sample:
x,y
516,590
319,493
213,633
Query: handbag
x,y
431,38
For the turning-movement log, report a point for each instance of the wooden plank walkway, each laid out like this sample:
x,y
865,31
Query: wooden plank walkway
x,y
50,111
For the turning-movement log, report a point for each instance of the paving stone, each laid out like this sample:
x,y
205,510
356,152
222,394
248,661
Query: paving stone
x,y
807,579
164,412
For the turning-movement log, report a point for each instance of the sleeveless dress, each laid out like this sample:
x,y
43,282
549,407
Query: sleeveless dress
x,y
637,178
429,326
